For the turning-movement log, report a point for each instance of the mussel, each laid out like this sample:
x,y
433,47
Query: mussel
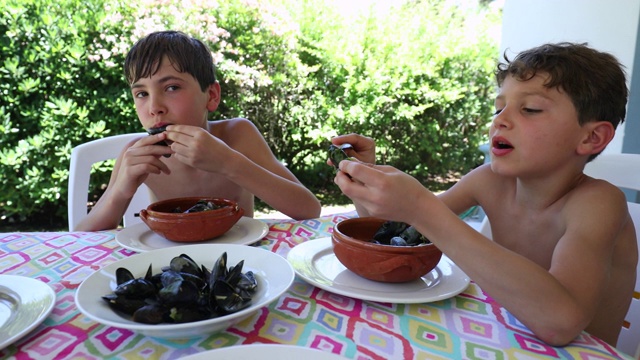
x,y
338,153
397,233
158,130
201,205
183,291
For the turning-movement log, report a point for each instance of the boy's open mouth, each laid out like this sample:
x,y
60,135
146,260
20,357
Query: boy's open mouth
x,y
501,144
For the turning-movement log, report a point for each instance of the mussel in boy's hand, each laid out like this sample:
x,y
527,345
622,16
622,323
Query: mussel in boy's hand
x,y
338,153
158,130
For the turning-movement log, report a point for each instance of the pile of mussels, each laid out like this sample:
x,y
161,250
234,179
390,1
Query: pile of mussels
x,y
397,233
183,291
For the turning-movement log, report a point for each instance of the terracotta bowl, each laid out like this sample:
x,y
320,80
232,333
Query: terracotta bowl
x,y
191,227
352,246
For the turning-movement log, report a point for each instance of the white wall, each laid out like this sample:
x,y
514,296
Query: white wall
x,y
607,25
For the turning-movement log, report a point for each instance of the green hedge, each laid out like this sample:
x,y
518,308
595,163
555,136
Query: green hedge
x,y
418,79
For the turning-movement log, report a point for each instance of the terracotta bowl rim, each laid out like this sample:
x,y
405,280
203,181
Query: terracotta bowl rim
x,y
391,249
231,208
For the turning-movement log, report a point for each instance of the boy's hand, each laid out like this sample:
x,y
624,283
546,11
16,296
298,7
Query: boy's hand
x,y
383,191
198,148
140,160
363,148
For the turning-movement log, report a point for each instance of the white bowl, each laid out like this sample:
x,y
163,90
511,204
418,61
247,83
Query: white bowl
x,y
273,273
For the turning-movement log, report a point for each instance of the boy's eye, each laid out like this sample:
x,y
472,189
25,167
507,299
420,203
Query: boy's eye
x,y
497,112
172,88
529,110
140,94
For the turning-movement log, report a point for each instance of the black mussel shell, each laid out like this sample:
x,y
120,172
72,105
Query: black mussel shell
x,y
157,130
337,153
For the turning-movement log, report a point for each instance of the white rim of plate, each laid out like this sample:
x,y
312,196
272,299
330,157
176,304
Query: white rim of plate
x,y
140,238
32,291
315,262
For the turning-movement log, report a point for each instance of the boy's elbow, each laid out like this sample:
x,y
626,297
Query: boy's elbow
x,y
561,337
561,333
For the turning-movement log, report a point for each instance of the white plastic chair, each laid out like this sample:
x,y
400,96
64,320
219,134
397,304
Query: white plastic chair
x,y
82,159
623,170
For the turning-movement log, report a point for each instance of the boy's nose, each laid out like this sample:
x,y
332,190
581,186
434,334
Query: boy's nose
x,y
156,107
501,120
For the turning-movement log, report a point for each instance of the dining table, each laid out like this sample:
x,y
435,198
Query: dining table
x,y
468,325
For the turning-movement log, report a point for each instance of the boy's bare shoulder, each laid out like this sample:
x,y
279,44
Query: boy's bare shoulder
x,y
230,129
596,197
590,189
229,123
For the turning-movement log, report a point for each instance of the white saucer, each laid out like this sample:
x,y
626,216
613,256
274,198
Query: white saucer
x,y
316,263
140,238
264,351
24,304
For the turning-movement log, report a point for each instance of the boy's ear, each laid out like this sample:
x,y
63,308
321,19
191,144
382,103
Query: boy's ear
x,y
598,134
214,96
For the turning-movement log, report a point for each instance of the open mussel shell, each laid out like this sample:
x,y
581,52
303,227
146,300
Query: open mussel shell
x,y
184,291
273,272
338,153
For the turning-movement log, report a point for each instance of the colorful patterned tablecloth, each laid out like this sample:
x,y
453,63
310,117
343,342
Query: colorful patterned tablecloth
x,y
468,326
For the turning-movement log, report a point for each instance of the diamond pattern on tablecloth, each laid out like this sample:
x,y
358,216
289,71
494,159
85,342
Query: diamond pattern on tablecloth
x,y
19,245
54,343
331,320
535,345
301,288
51,258
331,300
425,312
471,305
379,341
482,352
512,323
144,349
585,354
328,344
220,340
65,307
430,336
295,307
475,328
111,338
278,329
16,260
379,317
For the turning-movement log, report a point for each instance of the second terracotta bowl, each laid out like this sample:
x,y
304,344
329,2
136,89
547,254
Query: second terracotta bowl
x,y
352,246
161,218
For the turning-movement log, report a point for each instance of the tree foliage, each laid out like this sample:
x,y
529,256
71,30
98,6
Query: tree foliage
x,y
417,78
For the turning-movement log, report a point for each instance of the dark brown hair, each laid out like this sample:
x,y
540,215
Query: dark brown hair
x,y
187,55
595,81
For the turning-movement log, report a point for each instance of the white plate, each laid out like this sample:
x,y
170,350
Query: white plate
x,y
264,352
24,304
316,263
273,272
140,238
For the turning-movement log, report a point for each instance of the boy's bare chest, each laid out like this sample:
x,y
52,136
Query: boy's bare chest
x,y
532,237
192,183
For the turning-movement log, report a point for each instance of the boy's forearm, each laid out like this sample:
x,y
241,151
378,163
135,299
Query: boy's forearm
x,y
105,215
283,194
